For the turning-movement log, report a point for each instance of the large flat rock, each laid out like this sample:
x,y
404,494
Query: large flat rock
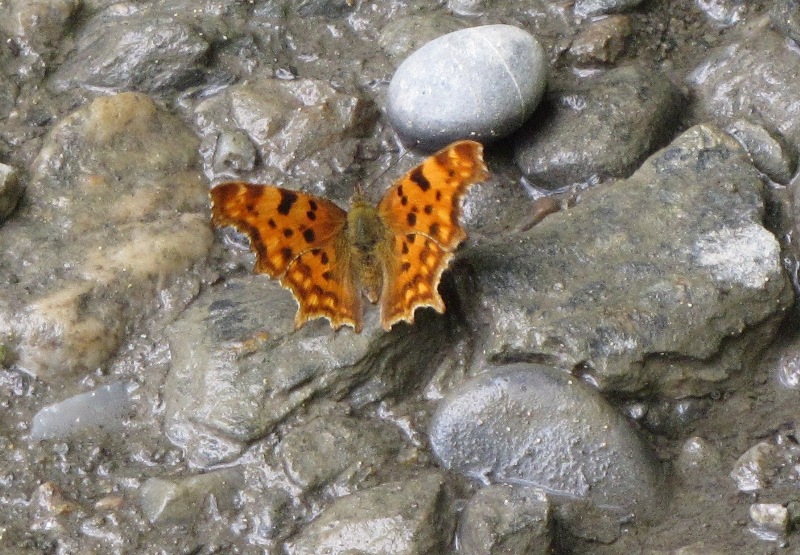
x,y
666,280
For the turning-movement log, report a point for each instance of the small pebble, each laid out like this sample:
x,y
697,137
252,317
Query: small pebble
x,y
181,500
789,370
699,548
602,41
51,499
105,408
771,519
109,503
722,12
754,469
590,8
234,152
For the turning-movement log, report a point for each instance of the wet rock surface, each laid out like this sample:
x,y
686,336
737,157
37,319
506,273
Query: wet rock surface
x,y
768,153
506,519
296,127
727,82
602,127
115,217
412,516
637,241
585,275
131,49
234,378
349,450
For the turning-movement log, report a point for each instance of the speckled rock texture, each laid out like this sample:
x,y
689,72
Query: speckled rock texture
x,y
617,369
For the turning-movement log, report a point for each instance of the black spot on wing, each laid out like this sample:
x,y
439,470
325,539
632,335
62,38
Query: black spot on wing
x,y
271,223
311,215
412,218
434,230
309,235
404,267
428,208
323,257
252,195
418,178
288,198
287,253
288,232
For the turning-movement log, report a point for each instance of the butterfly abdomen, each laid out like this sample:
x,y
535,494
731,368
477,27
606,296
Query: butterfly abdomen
x,y
367,235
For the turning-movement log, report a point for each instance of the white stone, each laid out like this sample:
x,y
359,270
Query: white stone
x,y
755,467
770,519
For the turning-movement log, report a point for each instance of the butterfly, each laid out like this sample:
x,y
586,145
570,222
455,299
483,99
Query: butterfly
x,y
394,252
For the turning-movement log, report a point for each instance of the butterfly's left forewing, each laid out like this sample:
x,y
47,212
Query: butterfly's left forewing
x,y
422,212
297,238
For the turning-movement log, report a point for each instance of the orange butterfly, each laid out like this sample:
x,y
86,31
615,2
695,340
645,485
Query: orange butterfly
x,y
396,251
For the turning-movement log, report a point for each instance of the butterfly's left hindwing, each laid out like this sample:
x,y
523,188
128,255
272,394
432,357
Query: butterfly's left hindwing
x,y
323,285
296,238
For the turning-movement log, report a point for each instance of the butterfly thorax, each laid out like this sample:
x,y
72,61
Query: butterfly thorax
x,y
364,227
366,236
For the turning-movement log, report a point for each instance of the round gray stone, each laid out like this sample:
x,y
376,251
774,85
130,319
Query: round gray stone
x,y
480,83
534,425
